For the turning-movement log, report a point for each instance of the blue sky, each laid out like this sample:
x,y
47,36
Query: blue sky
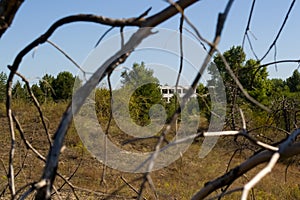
x,y
78,39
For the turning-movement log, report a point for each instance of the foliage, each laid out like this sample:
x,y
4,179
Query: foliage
x,y
3,79
293,82
102,103
254,79
145,92
172,106
19,91
203,100
38,93
45,85
63,86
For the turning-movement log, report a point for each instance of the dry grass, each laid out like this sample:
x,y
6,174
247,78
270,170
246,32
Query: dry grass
x,y
180,180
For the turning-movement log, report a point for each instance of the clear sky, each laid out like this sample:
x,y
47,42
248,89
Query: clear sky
x,y
78,39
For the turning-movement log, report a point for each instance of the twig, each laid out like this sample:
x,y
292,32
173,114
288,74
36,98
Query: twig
x,y
248,23
181,52
260,175
82,93
103,35
248,30
130,186
152,186
219,28
37,105
68,57
226,193
280,30
247,165
107,130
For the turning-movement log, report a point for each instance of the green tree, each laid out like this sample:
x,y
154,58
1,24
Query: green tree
x,y
3,79
38,93
45,85
254,79
293,82
63,86
146,92
279,87
102,103
19,91
203,100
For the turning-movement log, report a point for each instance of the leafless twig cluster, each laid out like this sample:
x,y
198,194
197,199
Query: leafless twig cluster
x,y
45,188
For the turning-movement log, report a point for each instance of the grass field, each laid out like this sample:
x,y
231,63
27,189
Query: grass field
x,y
180,180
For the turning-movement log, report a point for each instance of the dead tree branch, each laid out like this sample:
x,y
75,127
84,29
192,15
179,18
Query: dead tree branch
x,y
286,149
280,30
8,10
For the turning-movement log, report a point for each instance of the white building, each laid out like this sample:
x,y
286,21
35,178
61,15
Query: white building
x,y
169,91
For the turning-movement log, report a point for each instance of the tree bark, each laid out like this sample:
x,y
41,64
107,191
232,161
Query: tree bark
x,y
8,10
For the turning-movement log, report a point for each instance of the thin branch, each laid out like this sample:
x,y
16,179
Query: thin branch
x,y
131,186
26,142
251,47
181,52
67,56
10,175
122,36
248,23
248,30
103,35
107,130
241,87
260,175
152,186
226,193
219,28
82,93
120,188
275,56
280,30
37,105
243,168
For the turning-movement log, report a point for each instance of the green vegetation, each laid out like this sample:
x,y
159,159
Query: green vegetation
x,y
282,96
145,92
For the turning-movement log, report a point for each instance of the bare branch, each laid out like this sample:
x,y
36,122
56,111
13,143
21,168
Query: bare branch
x,y
238,171
248,23
130,186
67,56
280,30
8,10
37,105
82,93
260,175
103,35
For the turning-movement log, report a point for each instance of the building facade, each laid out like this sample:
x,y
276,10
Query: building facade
x,y
169,91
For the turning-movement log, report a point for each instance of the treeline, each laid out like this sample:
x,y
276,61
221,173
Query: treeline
x,y
282,96
48,89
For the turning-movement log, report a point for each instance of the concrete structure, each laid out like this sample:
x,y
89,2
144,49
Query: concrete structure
x,y
169,91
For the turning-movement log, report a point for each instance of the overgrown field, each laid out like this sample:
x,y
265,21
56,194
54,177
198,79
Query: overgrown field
x,y
90,180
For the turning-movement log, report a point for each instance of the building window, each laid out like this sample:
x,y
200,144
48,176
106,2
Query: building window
x,y
171,91
165,91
